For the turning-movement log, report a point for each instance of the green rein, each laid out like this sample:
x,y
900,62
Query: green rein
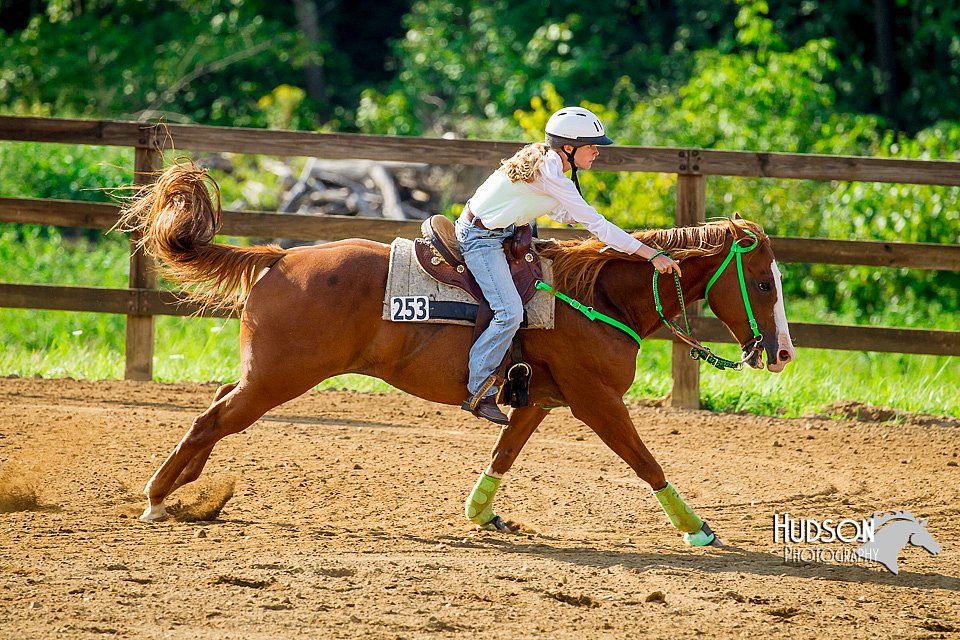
x,y
590,312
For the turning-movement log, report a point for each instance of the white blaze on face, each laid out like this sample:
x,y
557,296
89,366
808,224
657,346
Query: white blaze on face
x,y
785,351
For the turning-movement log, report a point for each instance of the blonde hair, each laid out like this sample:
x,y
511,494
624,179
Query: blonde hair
x,y
525,164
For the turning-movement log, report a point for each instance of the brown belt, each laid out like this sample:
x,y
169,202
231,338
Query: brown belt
x,y
477,222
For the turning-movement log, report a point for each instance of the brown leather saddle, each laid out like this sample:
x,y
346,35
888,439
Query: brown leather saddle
x,y
438,254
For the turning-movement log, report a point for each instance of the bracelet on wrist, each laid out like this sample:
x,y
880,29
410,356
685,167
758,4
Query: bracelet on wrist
x,y
658,253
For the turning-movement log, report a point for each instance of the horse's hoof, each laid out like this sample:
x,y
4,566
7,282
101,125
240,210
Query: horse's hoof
x,y
154,513
705,537
497,524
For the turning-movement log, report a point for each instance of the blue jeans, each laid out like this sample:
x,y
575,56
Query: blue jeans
x,y
483,252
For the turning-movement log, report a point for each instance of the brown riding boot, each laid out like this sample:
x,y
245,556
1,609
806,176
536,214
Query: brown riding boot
x,y
487,409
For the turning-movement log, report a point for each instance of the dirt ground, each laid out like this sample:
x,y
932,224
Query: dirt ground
x,y
346,521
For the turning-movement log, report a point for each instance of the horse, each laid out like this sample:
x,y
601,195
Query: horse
x,y
899,529
314,312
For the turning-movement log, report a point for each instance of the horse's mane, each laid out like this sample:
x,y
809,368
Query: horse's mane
x,y
882,518
577,263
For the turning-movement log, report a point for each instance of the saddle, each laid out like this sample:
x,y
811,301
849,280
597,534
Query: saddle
x,y
438,254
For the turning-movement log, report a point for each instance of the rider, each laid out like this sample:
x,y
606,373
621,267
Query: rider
x,y
528,185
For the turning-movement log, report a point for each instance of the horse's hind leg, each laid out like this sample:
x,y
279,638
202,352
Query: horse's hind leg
x,y
479,507
232,412
195,466
193,469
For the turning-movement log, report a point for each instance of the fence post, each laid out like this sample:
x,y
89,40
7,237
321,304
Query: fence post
x,y
143,275
691,210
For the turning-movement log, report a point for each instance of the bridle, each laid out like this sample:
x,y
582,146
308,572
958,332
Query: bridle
x,y
697,350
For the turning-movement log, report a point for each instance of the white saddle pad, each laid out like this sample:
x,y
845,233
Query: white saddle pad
x,y
413,296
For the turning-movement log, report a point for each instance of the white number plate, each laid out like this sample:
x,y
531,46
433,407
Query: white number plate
x,y
409,308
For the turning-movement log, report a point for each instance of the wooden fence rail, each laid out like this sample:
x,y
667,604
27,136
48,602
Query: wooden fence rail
x,y
437,151
141,301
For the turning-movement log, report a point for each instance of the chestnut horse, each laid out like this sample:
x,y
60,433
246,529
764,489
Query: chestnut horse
x,y
312,313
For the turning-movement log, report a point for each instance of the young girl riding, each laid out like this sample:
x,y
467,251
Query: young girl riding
x,y
526,186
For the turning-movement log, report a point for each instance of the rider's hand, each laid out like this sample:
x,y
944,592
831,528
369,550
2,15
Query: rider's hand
x,y
663,263
666,264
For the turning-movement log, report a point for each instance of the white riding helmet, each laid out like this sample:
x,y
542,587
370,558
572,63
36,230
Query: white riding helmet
x,y
575,126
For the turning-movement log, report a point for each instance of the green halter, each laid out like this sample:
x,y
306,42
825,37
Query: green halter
x,y
737,250
589,311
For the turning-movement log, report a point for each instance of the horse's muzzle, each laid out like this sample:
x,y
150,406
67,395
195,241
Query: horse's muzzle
x,y
779,354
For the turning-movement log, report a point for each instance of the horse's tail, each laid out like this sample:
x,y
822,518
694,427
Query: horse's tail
x,y
178,221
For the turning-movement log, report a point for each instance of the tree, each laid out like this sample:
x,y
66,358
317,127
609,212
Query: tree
x,y
464,64
905,69
190,60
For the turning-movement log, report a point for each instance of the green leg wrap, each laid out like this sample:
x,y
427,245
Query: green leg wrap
x,y
479,507
682,516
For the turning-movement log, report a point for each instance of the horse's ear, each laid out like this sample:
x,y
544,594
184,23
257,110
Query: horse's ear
x,y
736,215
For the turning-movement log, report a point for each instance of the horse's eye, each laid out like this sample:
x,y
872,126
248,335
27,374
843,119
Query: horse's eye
x,y
764,286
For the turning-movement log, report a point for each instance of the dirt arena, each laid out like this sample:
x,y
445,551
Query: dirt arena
x,y
346,521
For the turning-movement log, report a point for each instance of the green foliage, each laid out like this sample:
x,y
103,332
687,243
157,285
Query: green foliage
x,y
738,76
69,172
192,60
922,384
281,108
386,114
90,345
924,65
433,66
764,97
252,183
34,254
189,60
465,65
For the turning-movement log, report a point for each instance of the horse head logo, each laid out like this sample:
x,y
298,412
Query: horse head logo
x,y
898,529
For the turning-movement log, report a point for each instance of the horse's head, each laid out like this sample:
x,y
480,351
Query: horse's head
x,y
752,288
892,531
922,538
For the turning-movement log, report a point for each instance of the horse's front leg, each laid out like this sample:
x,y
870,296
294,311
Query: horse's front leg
x,y
479,506
606,414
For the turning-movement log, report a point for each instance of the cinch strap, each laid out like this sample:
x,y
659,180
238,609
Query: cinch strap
x,y
589,311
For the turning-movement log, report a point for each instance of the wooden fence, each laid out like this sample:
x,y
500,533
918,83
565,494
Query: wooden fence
x,y
141,301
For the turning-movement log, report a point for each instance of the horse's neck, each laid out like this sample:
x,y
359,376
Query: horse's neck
x,y
696,274
627,290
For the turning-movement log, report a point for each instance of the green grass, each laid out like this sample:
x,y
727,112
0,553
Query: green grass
x,y
817,378
90,345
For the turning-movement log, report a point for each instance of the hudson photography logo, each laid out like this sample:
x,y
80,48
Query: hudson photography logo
x,y
879,538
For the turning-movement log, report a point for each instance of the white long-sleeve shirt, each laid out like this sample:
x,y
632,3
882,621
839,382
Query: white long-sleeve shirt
x,y
499,203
